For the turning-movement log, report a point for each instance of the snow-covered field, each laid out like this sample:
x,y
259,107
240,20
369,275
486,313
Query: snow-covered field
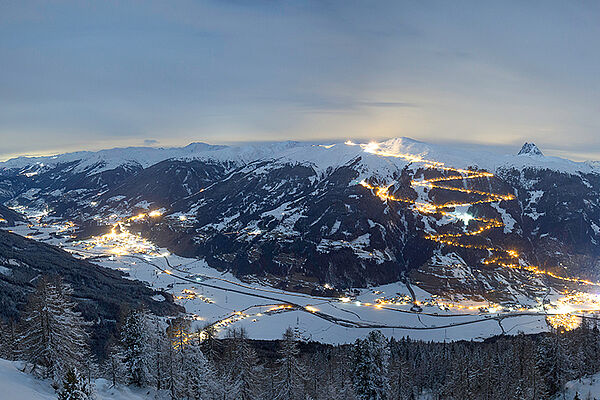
x,y
587,388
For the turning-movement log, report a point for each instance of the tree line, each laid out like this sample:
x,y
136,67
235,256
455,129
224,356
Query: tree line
x,y
168,356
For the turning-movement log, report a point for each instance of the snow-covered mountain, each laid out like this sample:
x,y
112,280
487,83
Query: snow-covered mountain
x,y
318,155
470,223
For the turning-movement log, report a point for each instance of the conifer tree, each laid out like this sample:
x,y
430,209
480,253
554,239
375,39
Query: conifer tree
x,y
200,378
369,375
113,367
75,387
5,346
243,370
162,350
52,337
401,380
207,339
135,343
552,364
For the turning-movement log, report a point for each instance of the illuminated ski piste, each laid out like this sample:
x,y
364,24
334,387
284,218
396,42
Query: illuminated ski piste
x,y
497,255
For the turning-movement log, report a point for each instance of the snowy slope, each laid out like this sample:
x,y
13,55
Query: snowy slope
x,y
587,388
104,160
17,385
461,158
301,215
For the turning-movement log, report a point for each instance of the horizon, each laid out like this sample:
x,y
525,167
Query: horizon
x,y
496,149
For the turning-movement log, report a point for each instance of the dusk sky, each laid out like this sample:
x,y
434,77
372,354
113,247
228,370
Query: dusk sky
x,y
90,75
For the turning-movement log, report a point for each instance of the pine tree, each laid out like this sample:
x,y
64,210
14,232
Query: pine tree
x,y
75,387
289,375
5,347
346,392
207,339
52,336
369,375
401,380
162,351
136,352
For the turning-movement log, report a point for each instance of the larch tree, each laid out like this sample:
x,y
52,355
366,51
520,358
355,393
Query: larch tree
x,y
52,336
199,376
289,374
244,369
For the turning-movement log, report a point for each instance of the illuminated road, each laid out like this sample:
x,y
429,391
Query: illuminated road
x,y
289,306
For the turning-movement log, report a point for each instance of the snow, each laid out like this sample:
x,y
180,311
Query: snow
x,y
17,385
507,219
378,161
588,388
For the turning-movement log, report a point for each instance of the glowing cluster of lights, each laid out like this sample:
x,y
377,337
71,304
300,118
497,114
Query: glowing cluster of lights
x,y
279,308
564,322
187,294
120,241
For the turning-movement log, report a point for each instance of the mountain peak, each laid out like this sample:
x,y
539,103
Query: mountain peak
x,y
530,149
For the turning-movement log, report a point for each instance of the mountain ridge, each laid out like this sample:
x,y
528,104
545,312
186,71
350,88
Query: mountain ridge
x,y
345,214
103,160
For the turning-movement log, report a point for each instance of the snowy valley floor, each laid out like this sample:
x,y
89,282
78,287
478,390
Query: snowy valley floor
x,y
213,297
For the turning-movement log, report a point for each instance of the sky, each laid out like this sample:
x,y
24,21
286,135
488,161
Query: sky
x,y
88,75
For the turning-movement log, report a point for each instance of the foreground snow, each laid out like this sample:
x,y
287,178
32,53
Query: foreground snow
x,y
17,385
588,388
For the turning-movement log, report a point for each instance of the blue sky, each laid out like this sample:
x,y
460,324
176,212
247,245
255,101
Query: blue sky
x,y
89,75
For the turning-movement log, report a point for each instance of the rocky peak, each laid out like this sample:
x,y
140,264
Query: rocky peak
x,y
530,149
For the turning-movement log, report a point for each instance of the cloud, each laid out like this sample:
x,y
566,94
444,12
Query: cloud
x,y
75,74
389,104
150,142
